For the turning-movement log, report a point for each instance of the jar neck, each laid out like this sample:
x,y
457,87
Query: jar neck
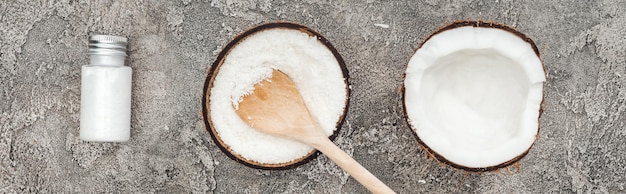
x,y
107,60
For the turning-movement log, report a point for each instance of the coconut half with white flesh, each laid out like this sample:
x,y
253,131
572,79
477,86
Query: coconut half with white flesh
x,y
307,58
473,93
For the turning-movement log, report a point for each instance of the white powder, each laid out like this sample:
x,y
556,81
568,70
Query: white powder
x,y
311,66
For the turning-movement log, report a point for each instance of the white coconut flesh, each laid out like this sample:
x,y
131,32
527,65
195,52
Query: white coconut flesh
x,y
473,95
311,66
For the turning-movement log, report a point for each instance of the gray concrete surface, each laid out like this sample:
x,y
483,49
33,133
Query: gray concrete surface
x,y
581,149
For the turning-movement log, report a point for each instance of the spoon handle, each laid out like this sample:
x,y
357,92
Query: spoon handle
x,y
351,166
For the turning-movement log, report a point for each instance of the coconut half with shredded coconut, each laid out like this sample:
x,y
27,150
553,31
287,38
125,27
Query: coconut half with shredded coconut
x,y
473,94
307,58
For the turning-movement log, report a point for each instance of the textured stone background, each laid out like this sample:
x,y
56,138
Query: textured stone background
x,y
582,148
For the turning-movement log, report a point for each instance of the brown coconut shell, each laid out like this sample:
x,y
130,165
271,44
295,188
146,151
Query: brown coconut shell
x,y
208,84
475,24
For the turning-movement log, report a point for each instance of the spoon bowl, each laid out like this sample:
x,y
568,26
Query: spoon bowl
x,y
276,107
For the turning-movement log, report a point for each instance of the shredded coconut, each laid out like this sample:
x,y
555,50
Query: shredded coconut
x,y
311,66
382,25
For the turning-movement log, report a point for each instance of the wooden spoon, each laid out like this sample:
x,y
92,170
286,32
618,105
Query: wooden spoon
x,y
276,107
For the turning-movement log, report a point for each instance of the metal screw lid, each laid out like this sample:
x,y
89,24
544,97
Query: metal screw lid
x,y
107,45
